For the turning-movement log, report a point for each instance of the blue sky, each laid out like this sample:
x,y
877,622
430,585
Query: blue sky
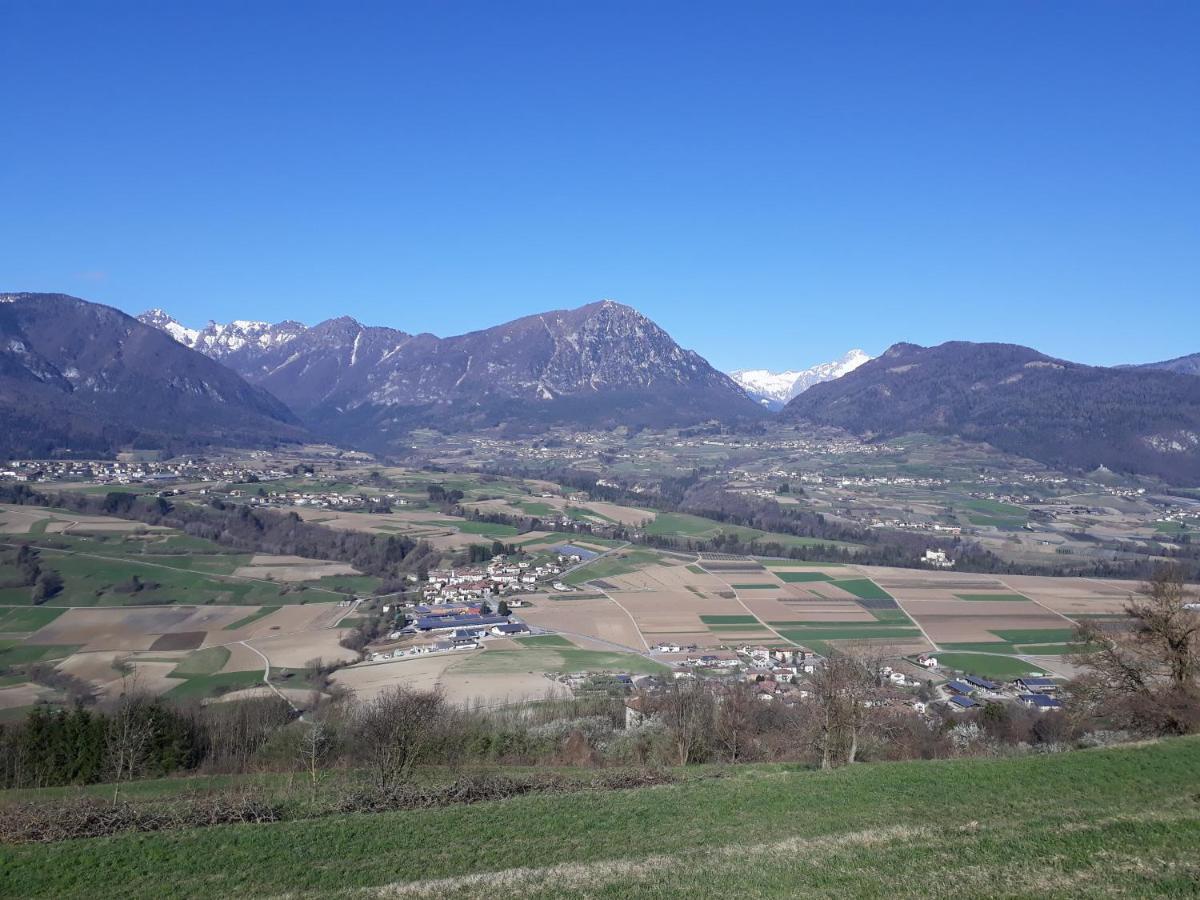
x,y
773,182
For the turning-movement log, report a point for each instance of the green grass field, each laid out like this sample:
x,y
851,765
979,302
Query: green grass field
x,y
755,586
609,566
202,662
994,514
173,569
201,686
729,620
1119,822
15,653
491,529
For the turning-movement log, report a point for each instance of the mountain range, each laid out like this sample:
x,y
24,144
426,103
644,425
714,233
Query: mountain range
x,y
774,389
83,378
1185,365
1061,413
601,365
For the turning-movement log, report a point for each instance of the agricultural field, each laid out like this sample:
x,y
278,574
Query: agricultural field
x,y
1016,624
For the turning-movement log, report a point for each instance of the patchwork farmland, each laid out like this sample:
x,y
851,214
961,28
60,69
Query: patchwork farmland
x,y
188,618
171,613
1018,625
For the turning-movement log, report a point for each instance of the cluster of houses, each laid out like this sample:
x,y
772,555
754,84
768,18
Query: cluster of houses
x,y
500,577
320,499
138,467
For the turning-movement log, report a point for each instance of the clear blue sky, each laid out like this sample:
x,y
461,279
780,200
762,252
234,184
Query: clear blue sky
x,y
773,182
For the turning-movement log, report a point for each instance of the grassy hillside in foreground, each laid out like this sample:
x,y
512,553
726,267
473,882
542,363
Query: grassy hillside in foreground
x,y
1122,822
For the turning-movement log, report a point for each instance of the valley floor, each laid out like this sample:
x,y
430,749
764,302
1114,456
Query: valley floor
x,y
1117,822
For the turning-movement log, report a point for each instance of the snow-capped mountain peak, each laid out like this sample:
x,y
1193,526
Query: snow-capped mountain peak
x,y
774,389
221,340
163,321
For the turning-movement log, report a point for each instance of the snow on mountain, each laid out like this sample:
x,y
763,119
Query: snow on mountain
x,y
239,337
774,389
161,320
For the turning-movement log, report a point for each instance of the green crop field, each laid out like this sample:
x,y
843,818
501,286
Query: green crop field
x,y
986,665
545,640
981,646
29,618
1035,635
796,564
1053,649
755,586
729,620
261,613
1117,822
801,577
891,616
863,588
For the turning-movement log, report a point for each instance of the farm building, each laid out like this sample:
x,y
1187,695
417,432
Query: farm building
x,y
957,687
1040,701
1037,685
981,683
510,628
453,623
963,702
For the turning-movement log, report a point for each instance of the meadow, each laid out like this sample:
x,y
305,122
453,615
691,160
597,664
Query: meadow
x,y
1114,822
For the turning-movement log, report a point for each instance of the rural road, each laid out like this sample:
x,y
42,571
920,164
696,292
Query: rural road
x,y
267,678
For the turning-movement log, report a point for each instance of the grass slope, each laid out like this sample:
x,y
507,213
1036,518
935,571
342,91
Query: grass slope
x,y
1121,822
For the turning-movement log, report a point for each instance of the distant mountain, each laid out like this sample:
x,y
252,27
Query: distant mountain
x,y
238,343
1185,365
603,364
85,378
1021,401
774,389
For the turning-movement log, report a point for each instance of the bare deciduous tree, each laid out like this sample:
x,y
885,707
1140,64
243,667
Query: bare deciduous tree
x,y
735,721
842,690
396,729
129,734
1145,674
686,709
